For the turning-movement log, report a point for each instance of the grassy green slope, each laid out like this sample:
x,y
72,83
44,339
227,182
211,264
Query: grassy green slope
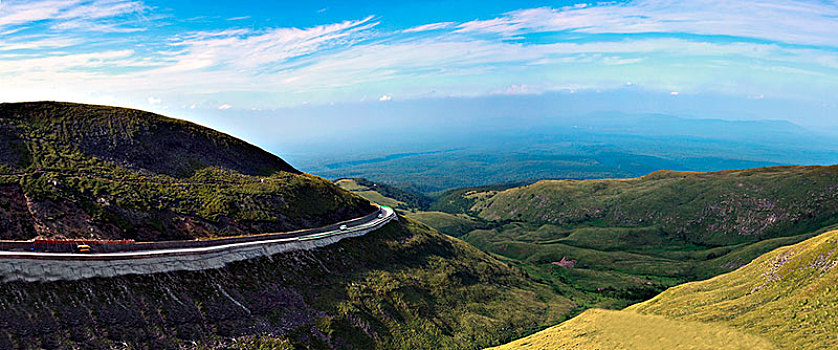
x,y
718,208
130,138
787,297
633,238
396,197
370,194
623,330
82,171
452,224
413,205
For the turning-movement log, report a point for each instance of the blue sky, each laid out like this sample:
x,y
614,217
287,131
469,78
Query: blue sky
x,y
193,59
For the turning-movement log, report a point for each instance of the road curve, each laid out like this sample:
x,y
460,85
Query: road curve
x,y
40,266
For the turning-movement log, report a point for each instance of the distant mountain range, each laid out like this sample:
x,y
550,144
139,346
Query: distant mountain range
x,y
601,145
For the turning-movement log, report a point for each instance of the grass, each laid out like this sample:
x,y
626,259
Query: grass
x,y
786,299
610,329
385,194
707,209
634,238
433,291
452,224
787,296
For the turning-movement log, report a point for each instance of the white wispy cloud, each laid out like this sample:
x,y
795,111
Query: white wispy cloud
x,y
95,15
800,22
23,12
67,62
251,49
37,42
429,27
101,9
793,43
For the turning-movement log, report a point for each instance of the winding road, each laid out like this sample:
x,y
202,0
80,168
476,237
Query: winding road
x,y
187,255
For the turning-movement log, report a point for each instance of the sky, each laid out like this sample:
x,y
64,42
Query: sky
x,y
224,63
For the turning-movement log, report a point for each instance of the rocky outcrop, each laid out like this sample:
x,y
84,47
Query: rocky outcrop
x,y
15,218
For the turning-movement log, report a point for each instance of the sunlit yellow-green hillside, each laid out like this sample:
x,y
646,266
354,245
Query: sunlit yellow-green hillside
x,y
610,329
788,297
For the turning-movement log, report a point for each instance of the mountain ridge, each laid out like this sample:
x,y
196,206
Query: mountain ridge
x,y
85,171
135,139
766,199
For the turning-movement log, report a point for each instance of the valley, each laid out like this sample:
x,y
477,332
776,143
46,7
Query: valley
x,y
784,299
588,146
613,243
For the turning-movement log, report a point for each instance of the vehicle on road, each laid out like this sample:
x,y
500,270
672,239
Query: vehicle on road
x,y
344,227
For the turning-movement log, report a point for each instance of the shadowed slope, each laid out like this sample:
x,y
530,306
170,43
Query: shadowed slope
x,y
83,171
403,286
130,138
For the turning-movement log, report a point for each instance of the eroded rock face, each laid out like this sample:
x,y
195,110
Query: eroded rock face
x,y
15,219
161,314
63,219
264,296
23,217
